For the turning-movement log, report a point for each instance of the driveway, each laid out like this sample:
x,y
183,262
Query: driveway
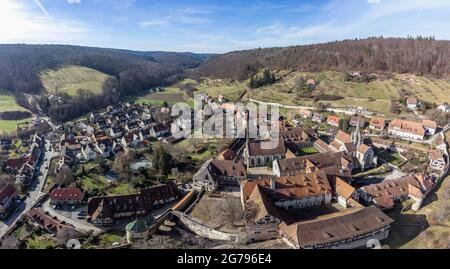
x,y
71,217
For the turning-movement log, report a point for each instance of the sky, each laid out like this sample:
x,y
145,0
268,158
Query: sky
x,y
216,26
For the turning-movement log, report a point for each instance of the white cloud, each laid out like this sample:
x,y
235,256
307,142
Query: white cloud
x,y
374,1
20,23
74,1
153,23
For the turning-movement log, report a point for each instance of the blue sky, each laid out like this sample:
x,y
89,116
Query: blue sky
x,y
216,25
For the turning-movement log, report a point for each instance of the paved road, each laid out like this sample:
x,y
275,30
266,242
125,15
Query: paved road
x,y
34,192
71,217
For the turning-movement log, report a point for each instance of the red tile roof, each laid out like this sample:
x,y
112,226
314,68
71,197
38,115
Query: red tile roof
x,y
66,193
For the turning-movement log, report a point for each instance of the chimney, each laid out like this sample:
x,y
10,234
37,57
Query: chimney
x,y
272,184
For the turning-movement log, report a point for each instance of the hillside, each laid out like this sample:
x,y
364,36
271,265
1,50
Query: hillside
x,y
69,79
14,113
416,56
20,65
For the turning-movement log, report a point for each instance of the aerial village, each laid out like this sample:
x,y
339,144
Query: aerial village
x,y
328,188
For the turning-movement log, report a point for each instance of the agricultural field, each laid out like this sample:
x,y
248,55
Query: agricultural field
x,y
171,95
8,103
375,96
231,90
71,78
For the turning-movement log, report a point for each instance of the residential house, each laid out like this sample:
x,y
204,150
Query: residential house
x,y
159,130
437,160
389,192
306,114
8,197
317,117
355,121
377,123
130,140
333,120
406,129
430,126
412,103
444,108
341,142
69,196
51,224
214,173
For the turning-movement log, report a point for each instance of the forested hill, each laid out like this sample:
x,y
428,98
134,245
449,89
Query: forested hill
x,y
20,65
422,56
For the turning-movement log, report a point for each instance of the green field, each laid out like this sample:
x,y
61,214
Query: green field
x,y
8,103
380,91
71,78
231,90
171,95
8,126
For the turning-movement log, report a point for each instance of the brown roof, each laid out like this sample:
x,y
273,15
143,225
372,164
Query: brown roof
x,y
256,149
334,119
412,100
363,148
48,222
230,168
408,126
431,124
265,205
343,188
319,160
343,137
435,154
141,202
310,233
297,186
377,122
7,192
67,193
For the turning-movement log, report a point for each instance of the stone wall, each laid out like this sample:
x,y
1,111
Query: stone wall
x,y
199,228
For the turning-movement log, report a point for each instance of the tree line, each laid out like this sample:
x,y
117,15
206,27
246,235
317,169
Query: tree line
x,y
421,56
131,73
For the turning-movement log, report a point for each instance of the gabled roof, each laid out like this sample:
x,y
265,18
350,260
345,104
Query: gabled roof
x,y
7,192
343,137
323,231
256,148
67,193
343,188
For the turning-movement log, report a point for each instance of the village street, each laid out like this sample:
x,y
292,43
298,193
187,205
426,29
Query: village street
x,y
34,192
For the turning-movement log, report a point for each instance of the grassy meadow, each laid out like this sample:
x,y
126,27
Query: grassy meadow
x,y
69,79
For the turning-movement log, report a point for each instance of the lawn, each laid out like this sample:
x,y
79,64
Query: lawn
x,y
9,126
171,95
8,103
307,151
71,78
40,242
108,238
231,90
392,157
380,91
121,189
92,182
